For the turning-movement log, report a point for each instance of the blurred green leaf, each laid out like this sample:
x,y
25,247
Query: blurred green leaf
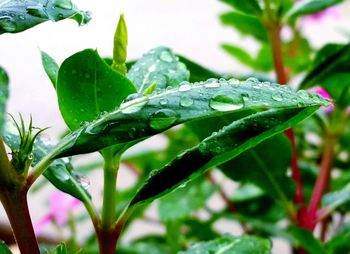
x,y
332,200
339,243
228,244
3,248
246,25
139,118
4,93
220,147
87,87
19,15
60,249
250,7
307,241
240,54
159,66
50,66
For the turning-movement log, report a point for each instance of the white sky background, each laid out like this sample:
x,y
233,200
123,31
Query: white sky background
x,y
189,27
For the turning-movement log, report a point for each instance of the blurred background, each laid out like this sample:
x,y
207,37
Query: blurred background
x,y
191,28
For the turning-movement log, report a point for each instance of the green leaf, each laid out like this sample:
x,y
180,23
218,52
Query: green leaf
x,y
246,25
50,66
240,54
220,147
339,243
310,6
120,46
335,199
190,198
19,15
248,6
228,244
60,249
264,60
88,87
145,116
4,93
307,241
3,248
59,173
159,65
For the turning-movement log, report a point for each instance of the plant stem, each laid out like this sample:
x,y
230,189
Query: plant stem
x,y
16,207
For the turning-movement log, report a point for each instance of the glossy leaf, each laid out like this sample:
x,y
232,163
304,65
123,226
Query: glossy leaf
x,y
335,199
59,173
4,93
249,7
228,244
220,147
50,66
88,87
19,15
307,241
310,6
145,116
159,66
247,25
3,248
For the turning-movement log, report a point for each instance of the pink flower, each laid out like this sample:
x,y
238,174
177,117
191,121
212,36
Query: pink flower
x,y
60,204
323,92
331,12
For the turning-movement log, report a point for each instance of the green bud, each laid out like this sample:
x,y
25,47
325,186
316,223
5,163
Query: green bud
x,y
120,46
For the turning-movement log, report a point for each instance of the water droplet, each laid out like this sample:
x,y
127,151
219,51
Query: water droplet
x,y
303,94
234,82
37,11
277,97
21,17
222,102
163,101
185,86
8,24
63,4
82,179
152,68
166,57
252,80
180,66
186,101
163,119
213,84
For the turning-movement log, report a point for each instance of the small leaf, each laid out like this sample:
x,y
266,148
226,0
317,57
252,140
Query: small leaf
x,y
228,244
250,7
144,116
87,87
17,15
4,93
306,7
332,200
50,66
160,66
246,25
240,54
120,46
220,147
3,248
60,249
307,241
59,173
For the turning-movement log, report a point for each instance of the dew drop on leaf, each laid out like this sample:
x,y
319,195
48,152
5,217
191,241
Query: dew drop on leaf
x,y
223,102
277,97
37,11
63,4
166,57
303,94
184,86
163,101
234,82
186,101
163,119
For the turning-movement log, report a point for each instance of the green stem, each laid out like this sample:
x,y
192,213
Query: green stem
x,y
16,207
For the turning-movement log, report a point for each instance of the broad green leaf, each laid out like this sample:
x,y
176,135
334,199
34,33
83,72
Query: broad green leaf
x,y
197,71
145,116
339,243
305,239
3,248
306,7
240,54
4,93
19,15
159,66
250,7
50,66
220,147
59,173
87,87
264,60
266,166
335,199
330,69
247,25
190,198
60,249
228,244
